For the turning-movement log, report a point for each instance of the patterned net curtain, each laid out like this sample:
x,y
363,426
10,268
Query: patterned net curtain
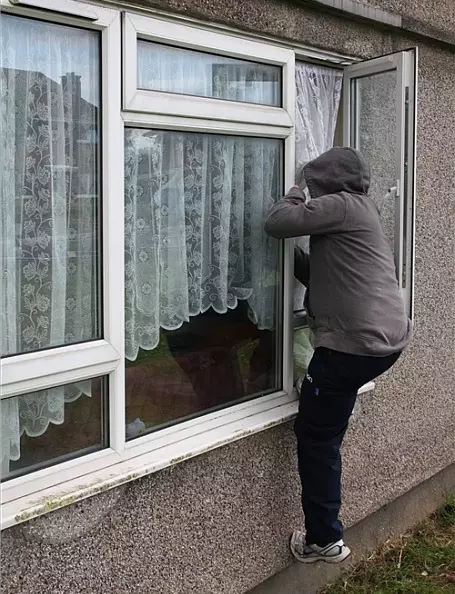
x,y
318,93
195,207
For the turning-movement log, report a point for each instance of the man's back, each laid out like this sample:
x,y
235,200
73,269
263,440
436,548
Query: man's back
x,y
354,295
354,301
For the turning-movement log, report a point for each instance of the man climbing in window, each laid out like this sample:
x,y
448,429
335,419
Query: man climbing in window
x,y
358,317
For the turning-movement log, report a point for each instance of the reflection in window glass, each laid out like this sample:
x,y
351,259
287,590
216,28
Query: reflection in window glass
x,y
52,425
201,275
377,133
50,227
178,70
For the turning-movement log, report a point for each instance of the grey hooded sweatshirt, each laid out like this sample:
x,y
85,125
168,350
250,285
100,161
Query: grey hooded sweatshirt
x,y
353,299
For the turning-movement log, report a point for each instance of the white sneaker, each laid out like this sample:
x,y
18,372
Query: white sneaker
x,y
335,552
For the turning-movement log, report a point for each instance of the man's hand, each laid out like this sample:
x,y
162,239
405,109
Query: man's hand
x,y
301,266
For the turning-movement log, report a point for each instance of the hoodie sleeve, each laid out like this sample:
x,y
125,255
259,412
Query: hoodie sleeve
x,y
301,266
291,217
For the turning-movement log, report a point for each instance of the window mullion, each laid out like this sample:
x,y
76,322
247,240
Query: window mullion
x,y
288,275
113,226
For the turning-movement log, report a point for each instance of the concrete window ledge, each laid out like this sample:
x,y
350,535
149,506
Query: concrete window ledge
x,y
364,11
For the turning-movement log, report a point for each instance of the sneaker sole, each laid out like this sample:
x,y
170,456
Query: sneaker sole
x,y
333,560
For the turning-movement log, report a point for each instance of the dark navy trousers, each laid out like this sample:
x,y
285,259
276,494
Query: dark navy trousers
x,y
327,399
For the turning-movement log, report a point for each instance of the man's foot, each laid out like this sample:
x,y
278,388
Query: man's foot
x,y
335,552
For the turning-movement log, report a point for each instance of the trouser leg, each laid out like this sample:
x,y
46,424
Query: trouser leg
x,y
328,396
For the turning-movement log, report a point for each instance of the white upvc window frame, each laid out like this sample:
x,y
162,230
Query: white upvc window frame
x,y
187,113
35,493
30,372
147,28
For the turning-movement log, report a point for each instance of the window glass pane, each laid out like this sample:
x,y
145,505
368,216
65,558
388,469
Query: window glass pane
x,y
318,94
376,99
202,277
52,425
50,196
178,70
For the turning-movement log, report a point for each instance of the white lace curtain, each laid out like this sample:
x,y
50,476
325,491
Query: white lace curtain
x,y
195,206
49,207
318,92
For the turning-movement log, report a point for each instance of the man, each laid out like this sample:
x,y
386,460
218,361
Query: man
x,y
357,314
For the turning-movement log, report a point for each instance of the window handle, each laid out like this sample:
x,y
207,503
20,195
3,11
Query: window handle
x,y
399,234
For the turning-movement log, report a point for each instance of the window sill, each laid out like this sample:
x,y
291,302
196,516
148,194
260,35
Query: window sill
x,y
143,456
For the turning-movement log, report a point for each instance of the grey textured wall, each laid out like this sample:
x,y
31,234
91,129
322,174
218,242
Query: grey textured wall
x,y
219,524
439,14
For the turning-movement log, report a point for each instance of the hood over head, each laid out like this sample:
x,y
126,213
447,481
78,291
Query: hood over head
x,y
341,169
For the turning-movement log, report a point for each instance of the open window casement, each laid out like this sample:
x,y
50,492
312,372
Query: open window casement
x,y
379,120
377,117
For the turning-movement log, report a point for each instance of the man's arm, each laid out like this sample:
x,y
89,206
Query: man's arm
x,y
291,217
301,266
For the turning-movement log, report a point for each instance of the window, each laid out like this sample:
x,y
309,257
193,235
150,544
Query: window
x,y
202,325
147,316
379,120
59,364
50,426
51,224
318,94
177,70
51,229
141,291
203,283
242,81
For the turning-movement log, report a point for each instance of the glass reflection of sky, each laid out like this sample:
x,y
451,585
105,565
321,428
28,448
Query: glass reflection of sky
x,y
54,50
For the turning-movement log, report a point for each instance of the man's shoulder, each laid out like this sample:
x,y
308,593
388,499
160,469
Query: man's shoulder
x,y
360,207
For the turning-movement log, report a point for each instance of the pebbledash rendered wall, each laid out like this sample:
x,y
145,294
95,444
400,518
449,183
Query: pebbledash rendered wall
x,y
220,523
